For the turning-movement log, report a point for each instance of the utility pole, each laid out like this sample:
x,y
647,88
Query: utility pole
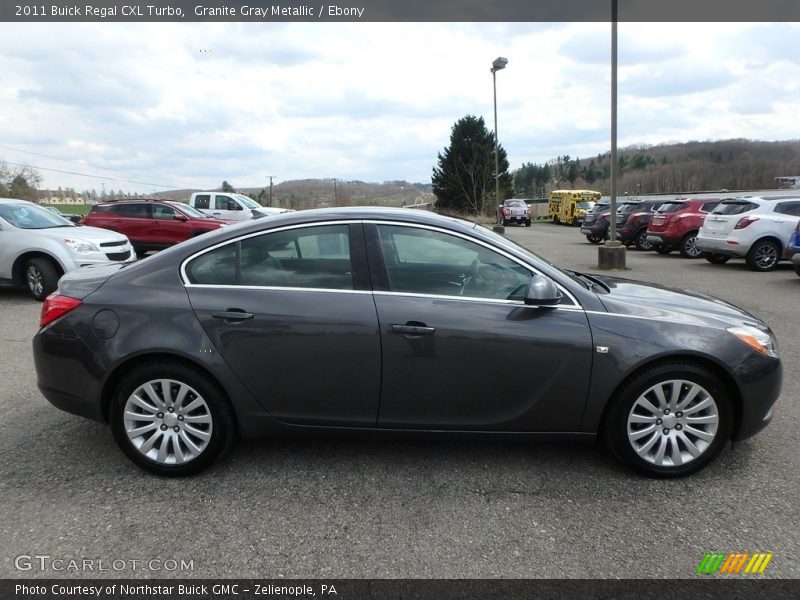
x,y
270,188
334,192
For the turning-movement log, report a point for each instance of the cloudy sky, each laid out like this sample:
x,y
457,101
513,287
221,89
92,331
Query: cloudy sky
x,y
189,104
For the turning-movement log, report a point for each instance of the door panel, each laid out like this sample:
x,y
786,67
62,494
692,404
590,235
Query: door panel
x,y
307,356
486,366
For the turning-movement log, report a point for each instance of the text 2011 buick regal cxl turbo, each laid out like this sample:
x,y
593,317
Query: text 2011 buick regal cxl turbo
x,y
387,320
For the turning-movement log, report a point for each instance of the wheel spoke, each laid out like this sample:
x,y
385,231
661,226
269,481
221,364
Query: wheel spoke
x,y
142,403
135,416
703,404
674,451
150,442
659,392
637,435
162,449
196,403
689,397
703,435
675,396
176,448
132,433
635,418
644,449
702,420
166,393
184,389
150,390
662,447
690,446
198,433
195,449
197,419
647,405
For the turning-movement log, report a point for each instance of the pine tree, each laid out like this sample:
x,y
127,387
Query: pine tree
x,y
464,180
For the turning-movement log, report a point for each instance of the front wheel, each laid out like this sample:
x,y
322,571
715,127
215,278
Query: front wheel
x,y
170,418
41,278
594,239
670,420
763,256
528,223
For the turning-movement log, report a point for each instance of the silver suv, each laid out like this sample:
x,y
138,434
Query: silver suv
x,y
757,229
38,246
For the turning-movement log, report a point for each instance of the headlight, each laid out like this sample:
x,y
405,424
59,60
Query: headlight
x,y
758,340
81,246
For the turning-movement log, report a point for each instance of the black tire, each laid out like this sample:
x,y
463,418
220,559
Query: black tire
x,y
764,256
556,220
640,239
688,246
797,269
716,259
594,239
216,407
505,223
528,223
615,428
664,249
41,278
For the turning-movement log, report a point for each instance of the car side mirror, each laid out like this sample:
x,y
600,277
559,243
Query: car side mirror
x,y
542,291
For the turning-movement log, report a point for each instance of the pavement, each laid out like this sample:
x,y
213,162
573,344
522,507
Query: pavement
x,y
371,509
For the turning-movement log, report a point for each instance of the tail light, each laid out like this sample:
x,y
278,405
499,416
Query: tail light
x,y
745,221
56,306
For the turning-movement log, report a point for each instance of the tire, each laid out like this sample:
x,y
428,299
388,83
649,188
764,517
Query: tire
x,y
640,239
176,447
688,246
505,223
594,239
556,220
528,223
716,259
635,423
764,256
41,278
797,269
664,249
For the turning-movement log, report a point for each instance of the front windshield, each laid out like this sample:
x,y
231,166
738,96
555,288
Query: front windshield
x,y
515,203
30,216
248,202
192,211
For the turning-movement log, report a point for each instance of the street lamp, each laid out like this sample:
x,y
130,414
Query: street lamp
x,y
498,64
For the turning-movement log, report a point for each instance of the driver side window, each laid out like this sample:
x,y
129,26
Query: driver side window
x,y
422,261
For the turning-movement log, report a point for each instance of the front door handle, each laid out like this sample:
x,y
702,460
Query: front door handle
x,y
232,315
413,330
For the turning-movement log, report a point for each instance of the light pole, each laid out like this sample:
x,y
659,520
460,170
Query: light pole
x,y
270,188
498,64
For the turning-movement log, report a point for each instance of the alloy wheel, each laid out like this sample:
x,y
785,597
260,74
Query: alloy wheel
x,y
167,421
35,280
673,423
765,256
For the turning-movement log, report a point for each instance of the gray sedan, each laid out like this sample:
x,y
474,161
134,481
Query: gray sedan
x,y
383,321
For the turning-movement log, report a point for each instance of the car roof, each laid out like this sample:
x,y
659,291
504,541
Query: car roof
x,y
14,201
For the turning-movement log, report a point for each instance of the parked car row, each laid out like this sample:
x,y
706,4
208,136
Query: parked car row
x,y
38,245
763,231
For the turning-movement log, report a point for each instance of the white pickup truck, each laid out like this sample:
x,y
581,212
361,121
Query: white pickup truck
x,y
231,206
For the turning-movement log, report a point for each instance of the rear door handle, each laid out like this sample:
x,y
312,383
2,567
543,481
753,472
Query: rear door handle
x,y
413,330
232,315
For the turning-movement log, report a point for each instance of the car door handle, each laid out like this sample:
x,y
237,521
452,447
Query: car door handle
x,y
232,315
413,330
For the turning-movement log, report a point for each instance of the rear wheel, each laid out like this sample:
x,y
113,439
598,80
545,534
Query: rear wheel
x,y
41,278
594,239
555,220
670,420
763,256
641,241
688,247
170,418
716,259
528,223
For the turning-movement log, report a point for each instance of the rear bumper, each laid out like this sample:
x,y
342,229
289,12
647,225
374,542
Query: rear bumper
x,y
720,246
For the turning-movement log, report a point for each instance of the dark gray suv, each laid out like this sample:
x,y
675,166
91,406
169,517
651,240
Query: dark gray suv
x,y
385,320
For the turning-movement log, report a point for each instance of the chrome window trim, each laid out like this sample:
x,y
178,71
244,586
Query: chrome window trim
x,y
186,283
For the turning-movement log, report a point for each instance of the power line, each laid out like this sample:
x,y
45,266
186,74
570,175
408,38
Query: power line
x,y
77,162
87,175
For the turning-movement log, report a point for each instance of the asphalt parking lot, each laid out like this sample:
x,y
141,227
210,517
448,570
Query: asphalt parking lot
x,y
454,509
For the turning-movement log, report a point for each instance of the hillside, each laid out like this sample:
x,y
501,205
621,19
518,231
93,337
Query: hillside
x,y
666,168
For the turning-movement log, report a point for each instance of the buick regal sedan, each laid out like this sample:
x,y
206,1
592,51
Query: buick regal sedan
x,y
380,320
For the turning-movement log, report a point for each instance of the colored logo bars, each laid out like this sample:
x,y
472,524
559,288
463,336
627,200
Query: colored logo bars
x,y
735,563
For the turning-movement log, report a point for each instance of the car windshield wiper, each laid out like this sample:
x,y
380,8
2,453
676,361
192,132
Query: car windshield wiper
x,y
589,281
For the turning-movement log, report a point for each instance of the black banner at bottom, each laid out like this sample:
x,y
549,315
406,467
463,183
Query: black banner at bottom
x,y
397,589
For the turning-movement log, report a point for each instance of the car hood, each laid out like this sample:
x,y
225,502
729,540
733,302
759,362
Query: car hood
x,y
90,234
652,301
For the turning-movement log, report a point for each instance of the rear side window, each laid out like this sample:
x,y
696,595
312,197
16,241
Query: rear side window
x,y
308,257
788,208
671,207
202,201
709,206
736,207
133,211
101,208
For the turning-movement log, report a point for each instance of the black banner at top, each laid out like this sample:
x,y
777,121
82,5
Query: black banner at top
x,y
264,11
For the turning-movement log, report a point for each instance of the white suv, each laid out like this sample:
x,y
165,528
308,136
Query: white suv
x,y
38,246
757,229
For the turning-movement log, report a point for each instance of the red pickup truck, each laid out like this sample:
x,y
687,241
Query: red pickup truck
x,y
514,211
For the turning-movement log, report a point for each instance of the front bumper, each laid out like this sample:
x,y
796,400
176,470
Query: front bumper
x,y
760,380
595,229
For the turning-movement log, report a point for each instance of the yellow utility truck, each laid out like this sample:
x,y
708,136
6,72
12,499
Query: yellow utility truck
x,y
569,206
